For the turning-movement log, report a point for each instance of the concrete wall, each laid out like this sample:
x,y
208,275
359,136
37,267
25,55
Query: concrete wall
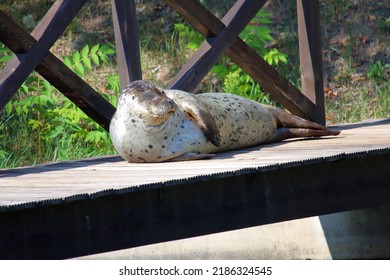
x,y
361,234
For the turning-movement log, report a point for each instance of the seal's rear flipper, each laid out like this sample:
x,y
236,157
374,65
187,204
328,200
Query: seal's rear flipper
x,y
283,133
284,119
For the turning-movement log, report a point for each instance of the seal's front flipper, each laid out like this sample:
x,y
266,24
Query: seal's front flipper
x,y
194,110
191,156
204,120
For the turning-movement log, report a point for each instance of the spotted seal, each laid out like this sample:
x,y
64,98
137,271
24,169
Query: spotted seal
x,y
154,125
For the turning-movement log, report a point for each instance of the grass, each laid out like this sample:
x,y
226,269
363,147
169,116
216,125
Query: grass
x,y
36,137
50,128
355,56
39,124
30,149
370,103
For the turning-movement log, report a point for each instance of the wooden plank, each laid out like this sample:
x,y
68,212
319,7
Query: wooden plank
x,y
108,204
126,41
132,217
246,58
59,75
211,49
26,185
46,33
310,54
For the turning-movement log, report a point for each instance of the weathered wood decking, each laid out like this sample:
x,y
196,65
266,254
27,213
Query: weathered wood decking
x,y
82,207
65,179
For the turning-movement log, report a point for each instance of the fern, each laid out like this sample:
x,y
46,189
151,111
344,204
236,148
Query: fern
x,y
81,61
234,80
51,121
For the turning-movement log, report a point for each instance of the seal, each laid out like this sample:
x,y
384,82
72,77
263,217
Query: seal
x,y
155,125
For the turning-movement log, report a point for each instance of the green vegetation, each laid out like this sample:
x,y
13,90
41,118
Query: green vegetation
x,y
39,124
229,75
377,71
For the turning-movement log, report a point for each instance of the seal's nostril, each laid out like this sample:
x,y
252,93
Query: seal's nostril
x,y
170,102
172,105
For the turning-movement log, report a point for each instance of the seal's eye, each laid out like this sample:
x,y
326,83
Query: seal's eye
x,y
148,95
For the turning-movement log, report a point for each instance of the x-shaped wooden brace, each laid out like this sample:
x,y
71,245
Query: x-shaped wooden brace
x,y
222,36
32,52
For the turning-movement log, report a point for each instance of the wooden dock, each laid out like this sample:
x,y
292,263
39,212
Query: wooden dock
x,y
75,208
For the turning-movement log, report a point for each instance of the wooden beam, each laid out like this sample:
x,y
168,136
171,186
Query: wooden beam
x,y
126,40
246,58
310,54
213,47
46,33
59,75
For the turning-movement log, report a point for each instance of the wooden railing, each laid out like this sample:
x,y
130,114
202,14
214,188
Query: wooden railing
x,y
221,37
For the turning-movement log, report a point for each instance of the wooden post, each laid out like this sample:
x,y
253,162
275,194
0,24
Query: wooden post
x,y
310,54
126,41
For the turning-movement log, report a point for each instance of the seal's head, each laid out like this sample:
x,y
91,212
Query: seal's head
x,y
147,102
